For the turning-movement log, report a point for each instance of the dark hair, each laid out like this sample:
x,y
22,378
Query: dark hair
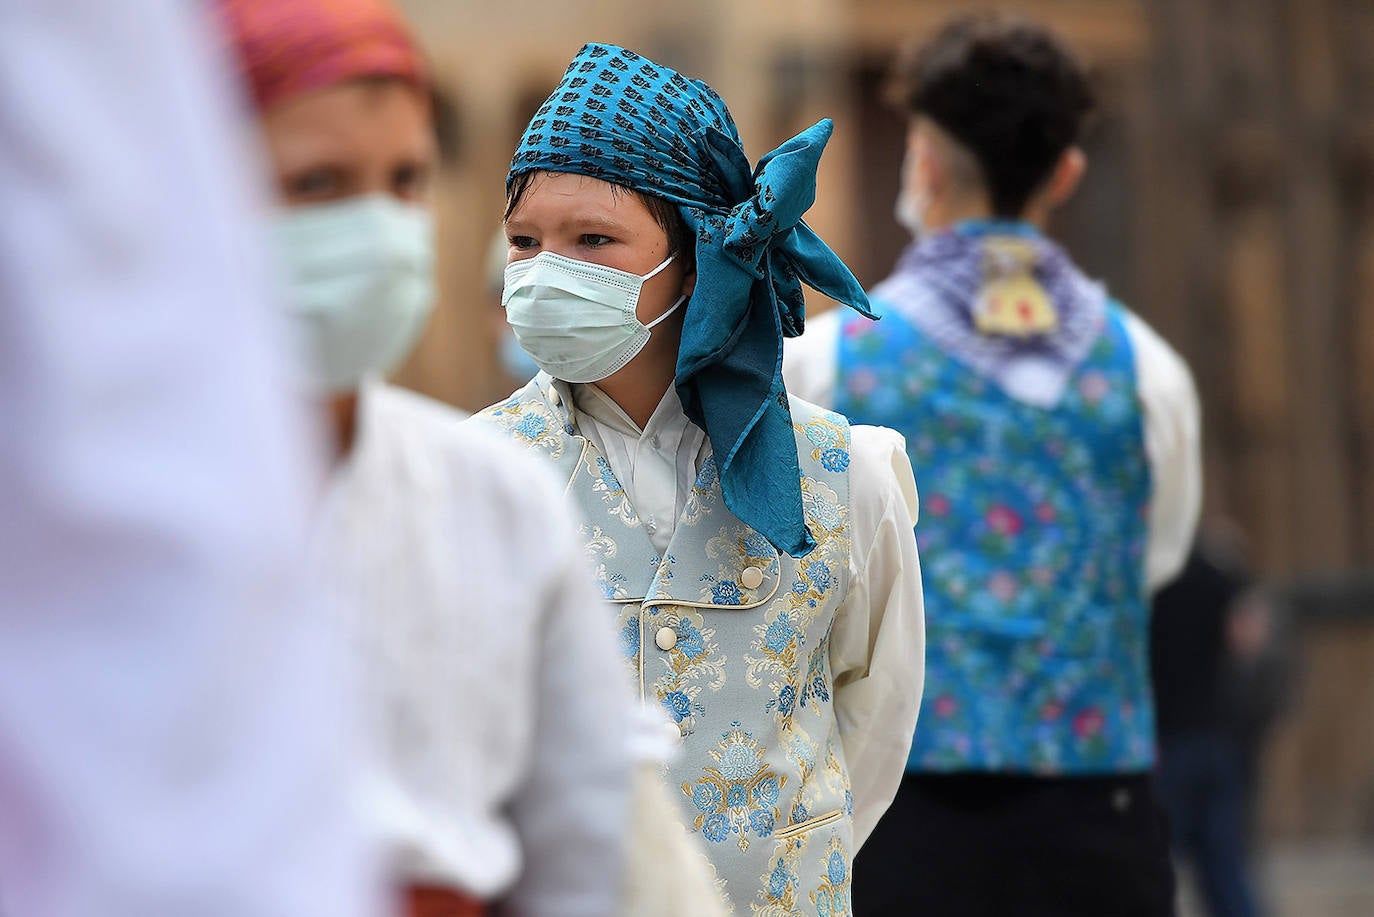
x,y
448,130
681,239
1005,89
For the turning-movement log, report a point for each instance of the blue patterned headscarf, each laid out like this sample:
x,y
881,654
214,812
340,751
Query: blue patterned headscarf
x,y
622,118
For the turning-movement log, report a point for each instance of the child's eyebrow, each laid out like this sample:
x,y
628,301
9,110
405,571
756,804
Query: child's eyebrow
x,y
582,222
596,221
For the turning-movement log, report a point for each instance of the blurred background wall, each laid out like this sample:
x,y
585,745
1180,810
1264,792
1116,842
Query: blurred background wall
x,y
1230,201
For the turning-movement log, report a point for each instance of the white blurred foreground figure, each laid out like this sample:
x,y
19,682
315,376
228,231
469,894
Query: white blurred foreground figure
x,y
503,776
174,735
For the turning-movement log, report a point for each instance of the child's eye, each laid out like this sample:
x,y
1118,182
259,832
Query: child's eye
x,y
595,240
410,181
317,184
522,243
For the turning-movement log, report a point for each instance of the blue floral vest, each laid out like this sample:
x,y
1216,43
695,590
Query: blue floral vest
x,y
731,639
1032,538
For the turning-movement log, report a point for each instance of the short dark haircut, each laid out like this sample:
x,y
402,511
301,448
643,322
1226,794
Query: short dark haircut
x,y
448,128
1007,90
681,239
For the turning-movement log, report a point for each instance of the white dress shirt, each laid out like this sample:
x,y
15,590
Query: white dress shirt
x,y
502,710
1171,416
877,645
657,465
175,704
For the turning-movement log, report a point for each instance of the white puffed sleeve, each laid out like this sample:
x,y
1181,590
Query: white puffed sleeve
x,y
877,649
1170,406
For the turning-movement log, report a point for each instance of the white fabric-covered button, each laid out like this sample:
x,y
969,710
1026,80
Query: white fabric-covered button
x,y
751,578
673,733
666,638
554,398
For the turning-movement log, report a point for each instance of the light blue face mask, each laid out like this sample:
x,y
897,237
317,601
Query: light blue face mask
x,y
578,321
519,365
360,284
912,204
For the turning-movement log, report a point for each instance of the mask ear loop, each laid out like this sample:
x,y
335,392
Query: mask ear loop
x,y
658,321
655,272
680,300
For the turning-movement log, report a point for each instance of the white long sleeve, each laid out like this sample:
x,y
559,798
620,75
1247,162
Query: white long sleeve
x,y
1173,442
572,811
877,645
1169,405
175,707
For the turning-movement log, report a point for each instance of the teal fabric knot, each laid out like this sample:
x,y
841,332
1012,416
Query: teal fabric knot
x,y
622,118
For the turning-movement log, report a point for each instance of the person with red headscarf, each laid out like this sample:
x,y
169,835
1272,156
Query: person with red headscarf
x,y
503,773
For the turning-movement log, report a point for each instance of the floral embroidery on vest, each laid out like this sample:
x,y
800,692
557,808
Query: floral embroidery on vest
x,y
801,750
738,797
832,897
530,422
599,549
775,655
739,544
837,778
702,497
782,882
1032,542
816,686
694,658
828,434
604,483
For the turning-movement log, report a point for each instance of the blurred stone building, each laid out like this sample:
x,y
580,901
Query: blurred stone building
x,y
1230,201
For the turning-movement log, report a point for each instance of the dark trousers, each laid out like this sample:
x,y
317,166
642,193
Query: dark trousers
x,y
1203,781
976,845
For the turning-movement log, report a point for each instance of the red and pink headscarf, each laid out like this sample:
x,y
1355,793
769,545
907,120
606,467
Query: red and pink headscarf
x,y
287,47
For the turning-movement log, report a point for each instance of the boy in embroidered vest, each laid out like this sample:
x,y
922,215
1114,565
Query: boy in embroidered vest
x,y
1057,440
756,551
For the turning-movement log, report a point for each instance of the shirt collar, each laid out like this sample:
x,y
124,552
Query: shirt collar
x,y
668,419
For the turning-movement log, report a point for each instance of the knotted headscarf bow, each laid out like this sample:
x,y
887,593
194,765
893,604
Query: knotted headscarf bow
x,y
622,118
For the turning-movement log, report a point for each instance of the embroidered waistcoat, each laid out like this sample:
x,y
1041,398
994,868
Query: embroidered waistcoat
x,y
1032,538
731,639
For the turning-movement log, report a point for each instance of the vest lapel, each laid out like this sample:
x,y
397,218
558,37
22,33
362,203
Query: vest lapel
x,y
622,555
539,417
714,560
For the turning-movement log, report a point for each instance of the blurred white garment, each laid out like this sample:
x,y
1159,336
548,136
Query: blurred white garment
x,y
667,870
504,712
668,873
1168,401
175,712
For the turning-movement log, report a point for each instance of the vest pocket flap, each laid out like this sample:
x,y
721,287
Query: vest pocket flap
x,y
820,821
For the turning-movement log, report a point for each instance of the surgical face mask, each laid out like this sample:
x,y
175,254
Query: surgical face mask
x,y
517,364
577,320
910,209
359,280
